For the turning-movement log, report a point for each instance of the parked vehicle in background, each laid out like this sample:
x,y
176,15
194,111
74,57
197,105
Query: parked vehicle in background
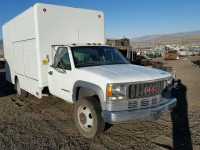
x,y
190,53
151,55
195,50
123,45
182,53
170,54
67,55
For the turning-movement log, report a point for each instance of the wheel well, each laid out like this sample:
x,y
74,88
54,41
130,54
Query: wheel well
x,y
85,92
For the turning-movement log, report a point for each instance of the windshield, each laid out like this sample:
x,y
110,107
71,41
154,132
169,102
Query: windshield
x,y
85,56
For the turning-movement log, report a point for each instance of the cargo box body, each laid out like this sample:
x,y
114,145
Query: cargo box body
x,y
28,40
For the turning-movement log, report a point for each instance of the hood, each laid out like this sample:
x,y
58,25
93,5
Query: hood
x,y
126,73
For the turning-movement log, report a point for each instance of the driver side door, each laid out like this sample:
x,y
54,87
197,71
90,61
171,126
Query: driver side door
x,y
60,74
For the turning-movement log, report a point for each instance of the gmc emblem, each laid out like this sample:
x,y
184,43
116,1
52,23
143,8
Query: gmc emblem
x,y
150,89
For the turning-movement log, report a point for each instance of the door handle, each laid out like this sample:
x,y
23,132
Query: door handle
x,y
50,72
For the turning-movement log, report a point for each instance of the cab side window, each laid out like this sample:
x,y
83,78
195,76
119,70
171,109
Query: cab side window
x,y
62,60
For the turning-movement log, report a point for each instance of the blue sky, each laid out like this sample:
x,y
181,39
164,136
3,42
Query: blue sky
x,y
129,18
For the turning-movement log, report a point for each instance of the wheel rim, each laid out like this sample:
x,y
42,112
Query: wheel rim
x,y
85,118
18,88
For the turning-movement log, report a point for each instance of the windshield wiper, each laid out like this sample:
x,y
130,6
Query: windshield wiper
x,y
86,64
114,62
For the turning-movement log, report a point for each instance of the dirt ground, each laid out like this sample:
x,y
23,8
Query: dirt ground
x,y
48,123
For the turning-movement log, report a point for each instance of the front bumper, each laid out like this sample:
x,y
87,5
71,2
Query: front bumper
x,y
152,113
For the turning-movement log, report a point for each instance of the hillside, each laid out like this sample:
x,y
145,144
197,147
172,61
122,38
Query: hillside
x,y
175,37
186,36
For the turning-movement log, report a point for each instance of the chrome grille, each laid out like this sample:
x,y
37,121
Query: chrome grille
x,y
161,99
133,104
144,103
146,89
153,101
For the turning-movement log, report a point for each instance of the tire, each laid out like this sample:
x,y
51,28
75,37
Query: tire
x,y
21,94
87,116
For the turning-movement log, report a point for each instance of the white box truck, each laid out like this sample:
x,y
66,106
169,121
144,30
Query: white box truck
x,y
63,49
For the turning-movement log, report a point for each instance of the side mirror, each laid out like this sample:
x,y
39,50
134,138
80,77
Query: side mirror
x,y
58,69
47,57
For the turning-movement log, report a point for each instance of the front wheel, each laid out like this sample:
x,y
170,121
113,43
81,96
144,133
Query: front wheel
x,y
88,119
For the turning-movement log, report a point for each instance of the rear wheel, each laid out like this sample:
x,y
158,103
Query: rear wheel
x,y
21,94
88,117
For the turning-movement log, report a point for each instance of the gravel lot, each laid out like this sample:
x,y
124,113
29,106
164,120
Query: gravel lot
x,y
48,123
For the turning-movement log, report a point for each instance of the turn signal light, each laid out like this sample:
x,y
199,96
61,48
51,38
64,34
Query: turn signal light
x,y
110,91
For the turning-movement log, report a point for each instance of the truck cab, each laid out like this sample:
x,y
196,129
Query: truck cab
x,y
105,87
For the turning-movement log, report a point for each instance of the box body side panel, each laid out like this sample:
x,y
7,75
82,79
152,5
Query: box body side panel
x,y
20,48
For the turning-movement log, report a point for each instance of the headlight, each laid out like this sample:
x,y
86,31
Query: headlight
x,y
116,92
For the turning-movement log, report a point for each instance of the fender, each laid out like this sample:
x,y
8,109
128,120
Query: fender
x,y
97,89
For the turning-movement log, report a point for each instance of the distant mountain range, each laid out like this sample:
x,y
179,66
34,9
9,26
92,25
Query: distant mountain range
x,y
196,32
191,35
